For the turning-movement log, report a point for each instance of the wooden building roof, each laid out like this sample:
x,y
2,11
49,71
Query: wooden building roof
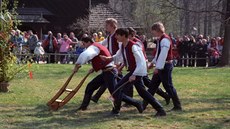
x,y
100,12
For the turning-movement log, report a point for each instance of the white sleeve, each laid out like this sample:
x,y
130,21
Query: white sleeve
x,y
118,58
87,55
155,56
165,45
141,68
104,42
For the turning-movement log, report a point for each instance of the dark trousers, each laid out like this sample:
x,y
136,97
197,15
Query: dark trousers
x,y
160,92
128,90
165,76
106,79
102,89
139,85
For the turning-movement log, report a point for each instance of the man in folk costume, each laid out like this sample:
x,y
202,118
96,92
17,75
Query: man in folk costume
x,y
134,60
112,45
106,78
146,79
164,66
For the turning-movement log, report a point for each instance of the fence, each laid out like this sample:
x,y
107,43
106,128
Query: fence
x,y
185,61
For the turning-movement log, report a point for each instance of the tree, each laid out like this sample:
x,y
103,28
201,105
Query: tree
x,y
225,60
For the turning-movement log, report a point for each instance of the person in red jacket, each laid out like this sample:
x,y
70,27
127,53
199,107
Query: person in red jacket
x,y
108,77
146,79
164,66
50,45
134,60
112,45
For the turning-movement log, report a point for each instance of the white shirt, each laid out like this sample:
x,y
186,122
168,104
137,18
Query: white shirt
x,y
39,50
141,68
160,62
105,43
89,54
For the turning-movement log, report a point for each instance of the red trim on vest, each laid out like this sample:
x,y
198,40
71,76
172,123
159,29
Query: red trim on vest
x,y
97,62
115,44
129,54
170,52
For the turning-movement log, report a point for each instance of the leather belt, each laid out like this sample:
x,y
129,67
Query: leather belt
x,y
109,68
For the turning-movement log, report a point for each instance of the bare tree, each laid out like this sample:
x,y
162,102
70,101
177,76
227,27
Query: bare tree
x,y
225,60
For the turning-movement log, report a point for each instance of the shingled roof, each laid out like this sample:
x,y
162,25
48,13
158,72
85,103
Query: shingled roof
x,y
101,12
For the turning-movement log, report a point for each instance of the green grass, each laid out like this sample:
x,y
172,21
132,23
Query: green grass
x,y
204,93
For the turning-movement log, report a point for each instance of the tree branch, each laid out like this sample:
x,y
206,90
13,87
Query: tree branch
x,y
194,11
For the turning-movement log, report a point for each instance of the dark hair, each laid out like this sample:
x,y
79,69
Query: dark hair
x,y
87,39
122,31
131,31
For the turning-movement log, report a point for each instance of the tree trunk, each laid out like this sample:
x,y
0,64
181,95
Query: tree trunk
x,y
210,19
187,17
206,18
221,31
225,60
181,17
198,17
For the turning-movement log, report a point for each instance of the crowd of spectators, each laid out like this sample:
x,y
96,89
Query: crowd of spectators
x,y
199,47
186,48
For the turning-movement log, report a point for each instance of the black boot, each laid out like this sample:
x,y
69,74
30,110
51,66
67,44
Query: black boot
x,y
160,113
176,103
175,109
115,112
164,95
85,102
158,107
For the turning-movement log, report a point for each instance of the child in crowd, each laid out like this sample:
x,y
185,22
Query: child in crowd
x,y
39,51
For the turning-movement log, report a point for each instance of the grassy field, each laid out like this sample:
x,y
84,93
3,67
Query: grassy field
x,y
204,93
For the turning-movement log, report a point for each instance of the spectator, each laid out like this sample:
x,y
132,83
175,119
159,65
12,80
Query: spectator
x,y
50,46
38,51
220,44
32,41
144,41
65,47
201,50
191,50
18,38
80,49
213,52
172,37
100,37
184,50
59,40
74,40
25,37
179,50
95,37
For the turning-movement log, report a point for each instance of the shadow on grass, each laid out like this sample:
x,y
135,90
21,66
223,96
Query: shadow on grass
x,y
67,117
